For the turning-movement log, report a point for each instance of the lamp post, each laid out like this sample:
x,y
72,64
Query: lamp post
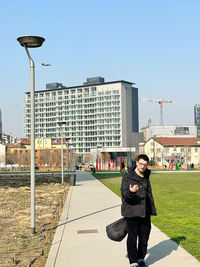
x,y
154,150
129,153
130,163
67,141
97,160
32,42
61,123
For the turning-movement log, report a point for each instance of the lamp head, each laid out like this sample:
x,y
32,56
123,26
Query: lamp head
x,y
31,41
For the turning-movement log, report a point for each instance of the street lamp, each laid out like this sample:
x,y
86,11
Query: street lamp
x,y
67,141
97,160
32,42
61,123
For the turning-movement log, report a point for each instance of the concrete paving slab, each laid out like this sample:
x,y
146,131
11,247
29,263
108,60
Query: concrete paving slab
x,y
81,240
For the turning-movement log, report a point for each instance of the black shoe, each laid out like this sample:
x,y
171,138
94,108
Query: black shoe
x,y
142,264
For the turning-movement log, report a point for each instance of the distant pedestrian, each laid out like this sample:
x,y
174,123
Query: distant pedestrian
x,y
122,167
137,208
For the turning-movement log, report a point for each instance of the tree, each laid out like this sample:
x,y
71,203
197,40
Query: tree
x,y
11,156
87,158
151,162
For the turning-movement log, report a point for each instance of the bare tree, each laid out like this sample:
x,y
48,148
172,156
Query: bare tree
x,y
87,158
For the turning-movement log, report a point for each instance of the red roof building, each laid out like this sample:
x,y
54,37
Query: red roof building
x,y
178,141
183,151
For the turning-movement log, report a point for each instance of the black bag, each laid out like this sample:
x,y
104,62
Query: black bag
x,y
117,230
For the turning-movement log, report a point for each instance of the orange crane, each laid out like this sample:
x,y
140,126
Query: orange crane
x,y
160,102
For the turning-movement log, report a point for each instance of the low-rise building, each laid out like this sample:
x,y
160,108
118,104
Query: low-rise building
x,y
2,155
181,150
46,158
8,139
44,143
167,130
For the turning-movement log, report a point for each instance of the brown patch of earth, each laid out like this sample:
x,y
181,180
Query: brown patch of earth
x,y
18,247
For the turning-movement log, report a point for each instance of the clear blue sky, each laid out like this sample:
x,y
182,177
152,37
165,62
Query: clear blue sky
x,y
154,43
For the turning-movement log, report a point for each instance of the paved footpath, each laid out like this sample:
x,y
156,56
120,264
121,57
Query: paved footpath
x,y
81,241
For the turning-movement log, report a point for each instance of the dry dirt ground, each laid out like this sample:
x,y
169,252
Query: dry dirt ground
x,y
18,247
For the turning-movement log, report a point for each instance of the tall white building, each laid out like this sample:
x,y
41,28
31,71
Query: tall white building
x,y
97,114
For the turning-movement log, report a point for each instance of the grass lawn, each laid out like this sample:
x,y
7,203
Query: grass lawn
x,y
177,199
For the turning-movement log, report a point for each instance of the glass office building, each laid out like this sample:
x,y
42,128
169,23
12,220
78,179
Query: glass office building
x,y
197,118
97,113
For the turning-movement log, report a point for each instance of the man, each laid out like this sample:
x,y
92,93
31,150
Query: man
x,y
137,208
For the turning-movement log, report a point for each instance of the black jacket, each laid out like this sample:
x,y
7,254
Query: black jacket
x,y
134,204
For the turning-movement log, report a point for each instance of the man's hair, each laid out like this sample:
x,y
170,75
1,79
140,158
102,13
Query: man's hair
x,y
144,157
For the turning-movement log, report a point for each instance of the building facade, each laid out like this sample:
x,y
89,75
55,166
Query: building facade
x,y
44,143
197,118
2,155
47,154
167,130
182,150
96,113
7,139
45,159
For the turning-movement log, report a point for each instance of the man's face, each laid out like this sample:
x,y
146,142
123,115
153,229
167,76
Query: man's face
x,y
141,165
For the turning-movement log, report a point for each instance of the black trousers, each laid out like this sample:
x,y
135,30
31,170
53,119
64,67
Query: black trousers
x,y
138,235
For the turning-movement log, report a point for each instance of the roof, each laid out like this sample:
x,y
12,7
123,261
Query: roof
x,y
81,86
25,141
178,141
11,145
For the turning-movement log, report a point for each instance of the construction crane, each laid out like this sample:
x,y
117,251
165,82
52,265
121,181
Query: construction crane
x,y
160,102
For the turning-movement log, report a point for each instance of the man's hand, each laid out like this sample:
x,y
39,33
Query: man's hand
x,y
133,188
